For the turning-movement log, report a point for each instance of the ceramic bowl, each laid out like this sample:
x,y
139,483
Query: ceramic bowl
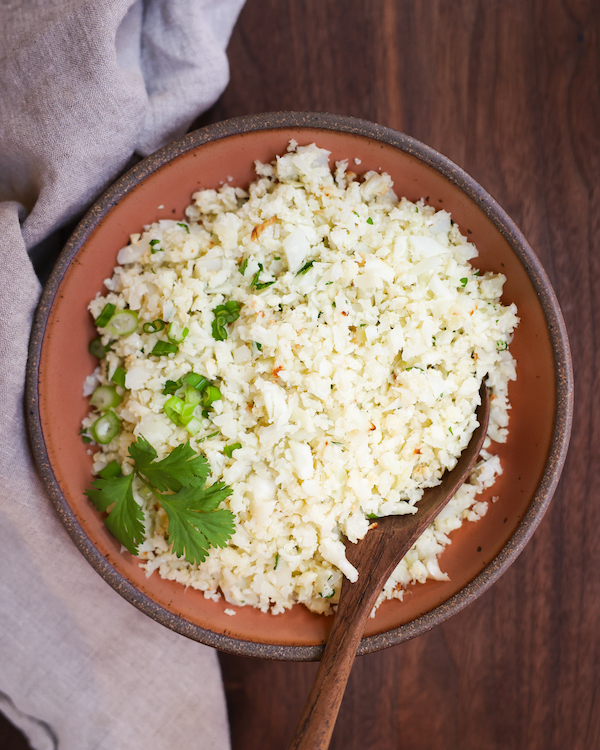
x,y
161,187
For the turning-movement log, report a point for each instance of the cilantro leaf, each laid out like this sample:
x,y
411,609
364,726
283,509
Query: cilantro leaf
x,y
181,468
305,268
125,521
195,524
142,452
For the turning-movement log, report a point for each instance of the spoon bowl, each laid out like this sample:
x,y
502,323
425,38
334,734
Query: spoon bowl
x,y
375,557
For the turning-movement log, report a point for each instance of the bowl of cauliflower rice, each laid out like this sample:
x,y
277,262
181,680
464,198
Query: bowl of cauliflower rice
x,y
277,329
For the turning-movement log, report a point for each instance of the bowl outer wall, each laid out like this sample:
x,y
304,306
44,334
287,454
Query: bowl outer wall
x,y
542,396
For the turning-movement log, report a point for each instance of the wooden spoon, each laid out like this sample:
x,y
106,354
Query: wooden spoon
x,y
375,558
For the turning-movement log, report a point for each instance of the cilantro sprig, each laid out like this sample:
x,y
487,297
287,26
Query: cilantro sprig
x,y
196,523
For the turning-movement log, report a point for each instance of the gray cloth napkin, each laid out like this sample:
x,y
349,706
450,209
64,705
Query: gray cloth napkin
x,y
83,86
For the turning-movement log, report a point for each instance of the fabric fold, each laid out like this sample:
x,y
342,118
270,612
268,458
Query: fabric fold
x,y
84,86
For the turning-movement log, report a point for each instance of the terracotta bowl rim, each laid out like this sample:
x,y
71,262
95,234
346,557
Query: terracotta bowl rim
x,y
553,317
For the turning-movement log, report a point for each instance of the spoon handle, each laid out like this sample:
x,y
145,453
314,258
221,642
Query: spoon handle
x,y
375,556
314,729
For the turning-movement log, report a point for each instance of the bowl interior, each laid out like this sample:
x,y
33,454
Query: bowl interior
x,y
164,193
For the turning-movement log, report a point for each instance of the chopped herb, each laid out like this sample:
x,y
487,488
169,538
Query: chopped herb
x,y
224,314
328,595
501,345
277,257
228,449
416,209
255,284
355,213
178,483
153,248
276,561
372,515
305,268
207,437
171,386
450,430
334,442
163,348
333,304
258,346
183,226
84,436
244,266
463,281
475,273
433,339
369,220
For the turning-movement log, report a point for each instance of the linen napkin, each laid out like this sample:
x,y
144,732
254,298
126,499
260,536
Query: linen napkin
x,y
84,85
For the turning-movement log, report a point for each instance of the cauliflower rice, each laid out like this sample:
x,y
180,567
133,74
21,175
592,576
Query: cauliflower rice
x,y
351,382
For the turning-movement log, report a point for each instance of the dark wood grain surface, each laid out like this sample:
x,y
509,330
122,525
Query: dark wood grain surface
x,y
510,91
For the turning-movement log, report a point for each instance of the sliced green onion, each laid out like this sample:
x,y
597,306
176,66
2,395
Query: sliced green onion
x,y
210,394
118,377
153,248
173,408
369,221
162,348
113,469
176,334
106,428
96,348
183,226
464,281
123,323
105,397
258,346
224,314
228,449
194,426
244,266
154,327
195,380
501,345
276,561
106,314
192,396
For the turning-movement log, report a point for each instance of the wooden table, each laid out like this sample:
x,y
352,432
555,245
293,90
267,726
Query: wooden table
x,y
509,91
